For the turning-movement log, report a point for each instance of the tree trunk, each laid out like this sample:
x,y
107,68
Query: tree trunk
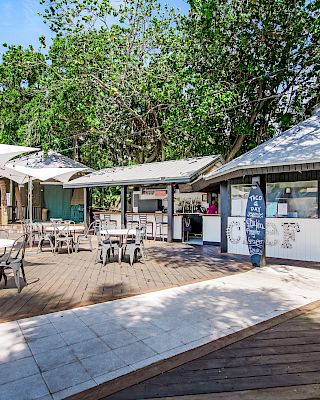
x,y
235,148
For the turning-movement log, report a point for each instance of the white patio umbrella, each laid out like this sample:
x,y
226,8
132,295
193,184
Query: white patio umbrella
x,y
42,167
8,151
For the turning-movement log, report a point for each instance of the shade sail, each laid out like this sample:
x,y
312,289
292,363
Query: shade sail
x,y
8,151
43,167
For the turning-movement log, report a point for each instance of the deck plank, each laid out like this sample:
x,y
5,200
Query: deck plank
x,y
263,366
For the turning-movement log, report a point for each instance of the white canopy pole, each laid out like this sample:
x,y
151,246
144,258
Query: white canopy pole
x,y
30,209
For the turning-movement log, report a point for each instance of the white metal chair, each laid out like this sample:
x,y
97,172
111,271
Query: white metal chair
x,y
63,236
136,246
105,247
161,227
86,237
44,236
111,223
131,223
144,223
14,260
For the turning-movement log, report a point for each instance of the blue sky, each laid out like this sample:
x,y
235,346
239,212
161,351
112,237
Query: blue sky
x,y
20,24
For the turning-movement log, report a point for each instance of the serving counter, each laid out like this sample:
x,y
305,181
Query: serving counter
x,y
210,224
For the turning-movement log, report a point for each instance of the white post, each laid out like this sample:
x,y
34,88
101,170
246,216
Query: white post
x,y
85,207
30,210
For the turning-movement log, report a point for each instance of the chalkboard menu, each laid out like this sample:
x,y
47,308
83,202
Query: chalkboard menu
x,y
256,224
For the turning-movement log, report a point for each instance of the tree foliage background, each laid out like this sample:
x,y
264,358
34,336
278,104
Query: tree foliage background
x,y
140,82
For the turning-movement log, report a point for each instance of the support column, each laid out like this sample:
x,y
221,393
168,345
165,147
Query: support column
x,y
225,212
170,198
124,190
85,207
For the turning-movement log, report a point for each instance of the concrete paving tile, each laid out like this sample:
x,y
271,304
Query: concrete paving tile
x,y
73,390
9,327
36,332
89,348
46,343
47,397
113,374
108,327
134,352
12,336
167,323
30,388
65,376
54,358
68,323
17,369
13,351
119,339
163,342
94,318
33,321
146,362
102,363
78,335
188,333
145,330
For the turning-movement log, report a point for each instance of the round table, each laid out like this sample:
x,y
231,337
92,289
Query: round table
x,y
4,243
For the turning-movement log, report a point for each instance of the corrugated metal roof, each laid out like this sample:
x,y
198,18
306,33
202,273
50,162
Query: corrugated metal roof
x,y
175,171
298,145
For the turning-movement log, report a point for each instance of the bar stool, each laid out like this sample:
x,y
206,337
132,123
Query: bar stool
x,y
111,223
144,223
161,226
131,224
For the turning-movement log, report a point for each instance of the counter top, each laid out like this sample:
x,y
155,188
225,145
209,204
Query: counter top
x,y
153,213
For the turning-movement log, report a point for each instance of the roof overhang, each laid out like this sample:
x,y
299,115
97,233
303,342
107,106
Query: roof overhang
x,y
261,169
90,181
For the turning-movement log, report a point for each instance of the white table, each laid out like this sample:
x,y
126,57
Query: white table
x,y
118,232
65,227
4,243
121,233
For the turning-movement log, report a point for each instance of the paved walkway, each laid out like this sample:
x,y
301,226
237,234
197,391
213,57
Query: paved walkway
x,y
59,354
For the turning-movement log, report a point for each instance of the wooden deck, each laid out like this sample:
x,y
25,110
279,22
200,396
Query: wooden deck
x,y
62,281
281,362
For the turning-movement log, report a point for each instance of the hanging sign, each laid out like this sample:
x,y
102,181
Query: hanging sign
x,y
256,224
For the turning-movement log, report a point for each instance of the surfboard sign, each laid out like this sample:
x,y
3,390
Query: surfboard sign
x,y
255,223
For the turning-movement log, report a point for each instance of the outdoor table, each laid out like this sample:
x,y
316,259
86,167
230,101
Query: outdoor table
x,y
121,233
65,228
71,228
4,243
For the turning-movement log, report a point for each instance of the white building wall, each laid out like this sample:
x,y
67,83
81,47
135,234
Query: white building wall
x,y
290,238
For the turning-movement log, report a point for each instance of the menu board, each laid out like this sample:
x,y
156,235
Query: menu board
x,y
256,224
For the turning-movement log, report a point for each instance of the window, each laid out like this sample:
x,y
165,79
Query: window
x,y
292,199
239,197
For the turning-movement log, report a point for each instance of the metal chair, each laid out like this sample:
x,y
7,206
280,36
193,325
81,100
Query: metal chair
x,y
136,246
14,260
112,223
105,246
161,227
63,236
144,223
45,237
86,237
130,222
